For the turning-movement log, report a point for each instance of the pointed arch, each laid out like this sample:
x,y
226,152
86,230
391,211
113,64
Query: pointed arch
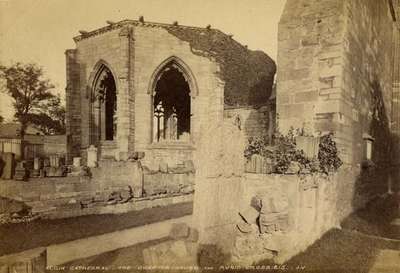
x,y
177,63
172,88
102,89
98,68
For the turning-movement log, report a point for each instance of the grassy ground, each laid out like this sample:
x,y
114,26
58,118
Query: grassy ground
x,y
18,237
344,250
337,251
122,260
375,218
353,248
341,251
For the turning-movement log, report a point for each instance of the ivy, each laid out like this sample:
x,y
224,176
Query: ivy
x,y
284,153
329,160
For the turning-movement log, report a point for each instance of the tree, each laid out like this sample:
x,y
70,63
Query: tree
x,y
34,102
51,117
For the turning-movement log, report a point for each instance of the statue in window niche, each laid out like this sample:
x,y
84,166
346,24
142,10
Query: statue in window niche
x,y
238,122
171,124
158,122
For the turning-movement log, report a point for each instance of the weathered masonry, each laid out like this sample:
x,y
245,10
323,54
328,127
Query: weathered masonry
x,y
338,71
135,86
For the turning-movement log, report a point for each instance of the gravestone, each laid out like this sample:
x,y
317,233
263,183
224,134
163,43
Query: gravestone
x,y
21,173
56,172
77,162
9,165
76,169
54,161
37,165
92,157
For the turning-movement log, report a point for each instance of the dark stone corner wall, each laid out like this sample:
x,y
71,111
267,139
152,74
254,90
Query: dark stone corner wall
x,y
73,105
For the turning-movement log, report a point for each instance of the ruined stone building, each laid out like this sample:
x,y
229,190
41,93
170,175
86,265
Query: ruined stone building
x,y
170,94
162,115
135,86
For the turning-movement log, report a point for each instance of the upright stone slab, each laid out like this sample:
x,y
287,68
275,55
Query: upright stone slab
x,y
92,157
137,179
21,173
9,165
55,161
220,166
37,165
77,162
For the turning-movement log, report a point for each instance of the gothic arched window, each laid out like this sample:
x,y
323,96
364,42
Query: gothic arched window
x,y
171,104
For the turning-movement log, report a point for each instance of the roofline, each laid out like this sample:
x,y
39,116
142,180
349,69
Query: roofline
x,y
125,22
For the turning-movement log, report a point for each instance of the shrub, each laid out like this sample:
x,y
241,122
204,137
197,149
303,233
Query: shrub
x,y
284,152
328,157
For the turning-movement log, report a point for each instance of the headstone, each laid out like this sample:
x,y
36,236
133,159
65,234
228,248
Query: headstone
x,y
55,161
9,165
92,157
55,172
137,191
76,169
21,173
77,162
37,165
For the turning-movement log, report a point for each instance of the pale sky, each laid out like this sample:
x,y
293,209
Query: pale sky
x,y
41,30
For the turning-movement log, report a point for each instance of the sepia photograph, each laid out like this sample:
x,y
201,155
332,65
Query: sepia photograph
x,y
155,136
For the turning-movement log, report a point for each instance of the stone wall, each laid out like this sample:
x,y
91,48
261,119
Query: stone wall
x,y
129,186
309,56
335,72
367,79
220,166
256,122
335,66
281,215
